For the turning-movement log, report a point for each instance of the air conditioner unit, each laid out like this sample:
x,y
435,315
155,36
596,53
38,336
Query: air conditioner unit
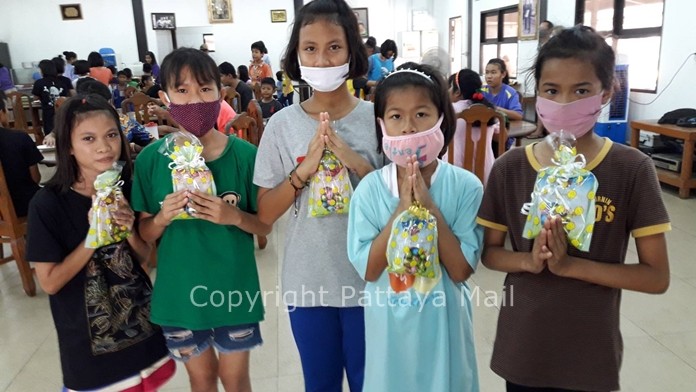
x,y
613,121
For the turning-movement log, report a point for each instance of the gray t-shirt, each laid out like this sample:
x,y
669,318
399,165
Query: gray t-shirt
x,y
316,269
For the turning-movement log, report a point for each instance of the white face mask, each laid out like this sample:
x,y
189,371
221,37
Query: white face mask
x,y
324,79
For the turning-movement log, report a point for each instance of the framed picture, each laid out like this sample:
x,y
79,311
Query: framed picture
x,y
70,11
219,11
279,16
528,23
363,26
163,21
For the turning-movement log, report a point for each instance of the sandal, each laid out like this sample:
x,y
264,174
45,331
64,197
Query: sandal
x,y
537,136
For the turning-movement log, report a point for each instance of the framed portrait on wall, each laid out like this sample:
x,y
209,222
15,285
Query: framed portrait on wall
x,y
162,21
71,11
279,16
363,26
528,24
219,11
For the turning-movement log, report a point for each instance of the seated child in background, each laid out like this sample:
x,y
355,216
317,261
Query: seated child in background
x,y
149,87
268,105
81,71
285,89
120,88
129,75
147,69
279,85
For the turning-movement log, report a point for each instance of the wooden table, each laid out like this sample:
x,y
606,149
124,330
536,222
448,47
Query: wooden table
x,y
520,129
685,180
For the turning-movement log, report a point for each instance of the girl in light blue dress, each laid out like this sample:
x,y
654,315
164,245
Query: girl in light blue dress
x,y
418,327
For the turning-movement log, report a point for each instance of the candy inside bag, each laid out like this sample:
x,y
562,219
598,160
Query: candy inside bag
x,y
103,229
412,256
330,189
565,189
189,171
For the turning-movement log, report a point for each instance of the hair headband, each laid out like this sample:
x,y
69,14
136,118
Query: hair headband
x,y
413,71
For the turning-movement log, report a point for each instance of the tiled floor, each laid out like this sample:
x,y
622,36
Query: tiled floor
x,y
659,331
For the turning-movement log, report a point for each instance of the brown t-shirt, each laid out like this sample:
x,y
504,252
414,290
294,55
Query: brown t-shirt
x,y
560,332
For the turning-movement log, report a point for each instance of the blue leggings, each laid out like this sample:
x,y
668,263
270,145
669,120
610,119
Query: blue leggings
x,y
330,340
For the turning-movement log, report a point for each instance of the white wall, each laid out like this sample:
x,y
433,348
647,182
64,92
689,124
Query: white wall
x,y
35,30
678,41
251,22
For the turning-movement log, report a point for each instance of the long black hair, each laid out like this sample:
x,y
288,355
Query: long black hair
x,y
337,12
503,68
95,59
468,84
432,82
152,56
70,114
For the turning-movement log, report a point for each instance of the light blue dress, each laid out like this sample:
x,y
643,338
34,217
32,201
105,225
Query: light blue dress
x,y
417,342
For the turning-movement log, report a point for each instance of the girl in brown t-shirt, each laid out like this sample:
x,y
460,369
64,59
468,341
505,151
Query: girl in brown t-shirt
x,y
559,326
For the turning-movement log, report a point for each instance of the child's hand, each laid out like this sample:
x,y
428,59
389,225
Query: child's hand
x,y
406,189
539,256
556,245
420,190
351,159
124,215
310,164
214,209
172,205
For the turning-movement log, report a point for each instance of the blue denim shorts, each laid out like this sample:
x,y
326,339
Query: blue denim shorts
x,y
185,343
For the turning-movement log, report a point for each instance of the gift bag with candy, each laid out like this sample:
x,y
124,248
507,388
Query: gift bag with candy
x,y
103,230
412,257
189,171
565,189
330,189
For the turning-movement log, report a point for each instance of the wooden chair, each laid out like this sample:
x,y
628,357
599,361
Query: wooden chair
x,y
139,101
19,101
12,231
257,91
4,121
254,110
243,126
233,98
482,113
60,101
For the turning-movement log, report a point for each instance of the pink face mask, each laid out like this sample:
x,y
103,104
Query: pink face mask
x,y
577,117
424,145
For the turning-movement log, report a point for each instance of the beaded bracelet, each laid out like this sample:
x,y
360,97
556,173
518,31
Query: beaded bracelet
x,y
297,190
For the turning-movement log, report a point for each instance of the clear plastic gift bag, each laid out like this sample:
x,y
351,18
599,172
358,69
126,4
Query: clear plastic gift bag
x,y
330,189
189,171
412,256
103,230
565,189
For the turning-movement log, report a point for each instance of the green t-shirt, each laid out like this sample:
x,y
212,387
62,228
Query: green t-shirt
x,y
206,273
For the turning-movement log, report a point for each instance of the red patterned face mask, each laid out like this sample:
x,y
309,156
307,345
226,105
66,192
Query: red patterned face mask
x,y
197,118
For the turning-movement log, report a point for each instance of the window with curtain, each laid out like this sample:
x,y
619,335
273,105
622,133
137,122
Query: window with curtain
x,y
499,38
634,29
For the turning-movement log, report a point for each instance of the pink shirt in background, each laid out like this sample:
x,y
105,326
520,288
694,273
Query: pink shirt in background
x,y
226,114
